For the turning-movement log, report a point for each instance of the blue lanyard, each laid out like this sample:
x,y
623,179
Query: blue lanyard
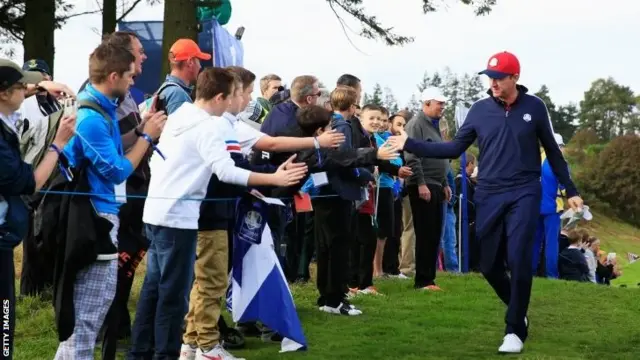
x,y
317,146
155,148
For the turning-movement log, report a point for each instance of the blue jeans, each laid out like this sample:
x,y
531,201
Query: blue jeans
x,y
164,298
448,239
548,229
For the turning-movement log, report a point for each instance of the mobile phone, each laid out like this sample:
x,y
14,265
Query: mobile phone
x,y
70,106
153,103
160,104
240,33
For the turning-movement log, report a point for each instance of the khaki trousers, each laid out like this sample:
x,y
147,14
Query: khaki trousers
x,y
209,287
408,240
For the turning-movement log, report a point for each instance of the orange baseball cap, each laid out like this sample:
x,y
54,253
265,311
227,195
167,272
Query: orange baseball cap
x,y
185,49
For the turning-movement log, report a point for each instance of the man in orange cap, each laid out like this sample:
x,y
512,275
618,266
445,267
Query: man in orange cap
x,y
508,126
184,59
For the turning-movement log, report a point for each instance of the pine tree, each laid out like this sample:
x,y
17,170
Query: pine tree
x,y
390,101
375,98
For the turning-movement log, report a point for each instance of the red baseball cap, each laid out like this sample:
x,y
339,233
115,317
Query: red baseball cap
x,y
502,65
185,49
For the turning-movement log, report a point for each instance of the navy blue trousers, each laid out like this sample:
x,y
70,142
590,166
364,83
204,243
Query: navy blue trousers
x,y
506,225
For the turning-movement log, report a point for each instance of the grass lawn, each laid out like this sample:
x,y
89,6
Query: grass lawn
x,y
568,320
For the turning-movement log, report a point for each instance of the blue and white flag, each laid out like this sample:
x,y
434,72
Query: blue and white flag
x,y
227,50
258,289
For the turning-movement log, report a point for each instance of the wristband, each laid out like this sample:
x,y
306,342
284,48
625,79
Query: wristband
x,y
150,141
66,172
316,143
138,132
55,148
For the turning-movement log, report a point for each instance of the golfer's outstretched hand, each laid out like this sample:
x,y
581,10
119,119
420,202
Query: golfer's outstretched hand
x,y
576,203
398,141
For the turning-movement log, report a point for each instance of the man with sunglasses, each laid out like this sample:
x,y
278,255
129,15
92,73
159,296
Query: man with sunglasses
x,y
305,91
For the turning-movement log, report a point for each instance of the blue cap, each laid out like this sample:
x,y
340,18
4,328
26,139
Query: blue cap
x,y
37,65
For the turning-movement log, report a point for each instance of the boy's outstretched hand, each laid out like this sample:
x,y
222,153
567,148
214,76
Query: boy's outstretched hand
x,y
290,165
386,152
291,177
330,138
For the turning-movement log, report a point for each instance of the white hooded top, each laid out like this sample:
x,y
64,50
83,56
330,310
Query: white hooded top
x,y
193,143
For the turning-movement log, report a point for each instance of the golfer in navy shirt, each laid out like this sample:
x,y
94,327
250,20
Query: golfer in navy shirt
x,y
508,125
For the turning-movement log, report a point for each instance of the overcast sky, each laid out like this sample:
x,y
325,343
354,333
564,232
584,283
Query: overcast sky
x,y
565,44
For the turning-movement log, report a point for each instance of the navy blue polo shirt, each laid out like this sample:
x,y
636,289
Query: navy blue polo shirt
x,y
508,137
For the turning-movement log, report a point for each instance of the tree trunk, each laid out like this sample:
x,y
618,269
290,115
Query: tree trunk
x,y
179,22
39,27
108,16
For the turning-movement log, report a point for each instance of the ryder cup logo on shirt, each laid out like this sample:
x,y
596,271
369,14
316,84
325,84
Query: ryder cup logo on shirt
x,y
526,117
253,220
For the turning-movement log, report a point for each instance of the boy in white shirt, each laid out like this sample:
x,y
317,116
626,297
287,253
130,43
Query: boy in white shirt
x,y
190,151
202,336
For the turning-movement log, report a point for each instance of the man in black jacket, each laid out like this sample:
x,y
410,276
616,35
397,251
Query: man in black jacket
x,y
18,178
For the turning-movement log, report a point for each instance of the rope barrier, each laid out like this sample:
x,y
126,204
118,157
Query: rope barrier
x,y
53,192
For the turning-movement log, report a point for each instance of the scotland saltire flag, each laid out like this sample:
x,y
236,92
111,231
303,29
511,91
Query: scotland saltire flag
x,y
258,289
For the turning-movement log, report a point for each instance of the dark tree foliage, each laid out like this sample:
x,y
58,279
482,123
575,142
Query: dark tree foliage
x,y
12,17
372,27
614,177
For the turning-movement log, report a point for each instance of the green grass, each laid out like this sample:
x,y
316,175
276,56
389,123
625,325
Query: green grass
x,y
568,321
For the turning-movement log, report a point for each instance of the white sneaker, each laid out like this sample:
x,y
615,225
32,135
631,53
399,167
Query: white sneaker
x,y
511,344
369,291
403,276
342,309
217,353
187,352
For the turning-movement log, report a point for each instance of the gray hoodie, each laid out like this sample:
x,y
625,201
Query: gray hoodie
x,y
425,170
